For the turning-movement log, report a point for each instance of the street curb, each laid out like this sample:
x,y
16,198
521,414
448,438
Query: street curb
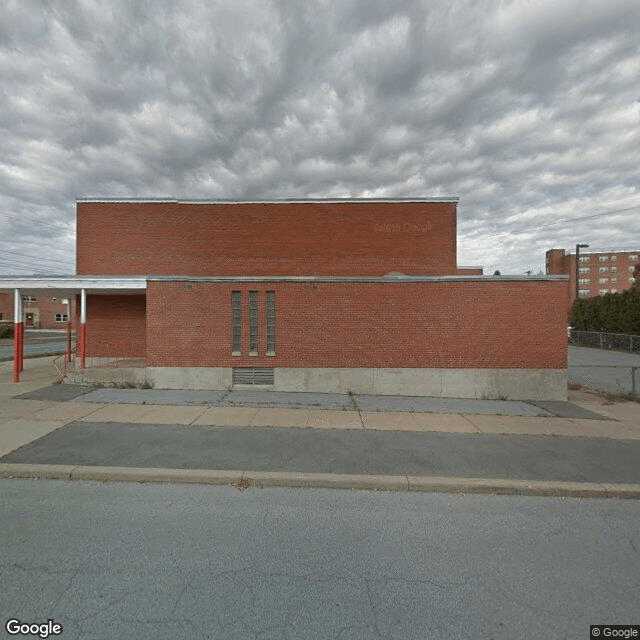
x,y
245,479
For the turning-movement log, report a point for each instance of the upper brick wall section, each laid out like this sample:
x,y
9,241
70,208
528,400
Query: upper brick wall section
x,y
262,238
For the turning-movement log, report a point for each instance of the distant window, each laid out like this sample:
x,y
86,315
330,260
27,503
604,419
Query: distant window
x,y
633,257
583,293
603,269
603,258
584,270
631,268
614,279
584,280
614,257
614,291
614,268
585,258
603,291
61,317
632,279
603,280
29,299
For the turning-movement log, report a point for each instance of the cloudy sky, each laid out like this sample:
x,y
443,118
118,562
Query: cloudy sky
x,y
527,110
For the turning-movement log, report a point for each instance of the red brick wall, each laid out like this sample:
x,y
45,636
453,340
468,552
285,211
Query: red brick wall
x,y
482,324
325,238
116,326
47,308
44,310
6,307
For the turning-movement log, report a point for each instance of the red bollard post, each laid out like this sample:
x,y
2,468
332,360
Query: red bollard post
x,y
82,345
22,346
17,350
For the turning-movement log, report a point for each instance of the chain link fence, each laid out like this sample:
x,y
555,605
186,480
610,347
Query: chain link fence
x,y
601,340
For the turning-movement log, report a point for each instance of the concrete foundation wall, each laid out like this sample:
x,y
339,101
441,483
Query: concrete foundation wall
x,y
503,384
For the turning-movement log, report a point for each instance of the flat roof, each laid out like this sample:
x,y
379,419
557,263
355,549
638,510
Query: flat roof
x,y
389,278
136,284
275,201
73,284
129,285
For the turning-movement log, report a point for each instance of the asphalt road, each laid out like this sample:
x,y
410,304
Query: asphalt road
x,y
37,342
154,561
49,348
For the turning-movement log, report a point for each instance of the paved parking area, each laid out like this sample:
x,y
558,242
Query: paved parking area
x,y
612,371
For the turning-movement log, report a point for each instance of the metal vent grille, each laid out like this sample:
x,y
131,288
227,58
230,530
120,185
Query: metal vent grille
x,y
252,375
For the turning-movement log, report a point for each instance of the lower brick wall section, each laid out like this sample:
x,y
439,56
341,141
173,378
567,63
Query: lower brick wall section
x,y
451,338
468,324
116,326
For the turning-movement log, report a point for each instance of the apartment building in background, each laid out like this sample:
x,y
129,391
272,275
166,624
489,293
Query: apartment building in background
x,y
599,272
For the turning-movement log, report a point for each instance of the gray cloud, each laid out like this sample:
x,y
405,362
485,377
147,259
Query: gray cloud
x,y
527,111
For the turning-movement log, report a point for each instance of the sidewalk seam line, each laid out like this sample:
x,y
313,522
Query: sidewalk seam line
x,y
90,413
471,423
199,415
356,406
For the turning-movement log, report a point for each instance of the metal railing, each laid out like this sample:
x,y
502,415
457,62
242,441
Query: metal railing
x,y
601,340
67,363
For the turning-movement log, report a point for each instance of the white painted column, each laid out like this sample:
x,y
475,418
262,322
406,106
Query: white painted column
x,y
82,330
18,351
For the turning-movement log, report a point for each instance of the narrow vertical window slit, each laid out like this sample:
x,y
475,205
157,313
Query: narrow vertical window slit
x,y
253,322
271,322
236,306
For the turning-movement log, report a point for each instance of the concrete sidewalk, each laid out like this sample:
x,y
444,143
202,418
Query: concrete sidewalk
x,y
589,446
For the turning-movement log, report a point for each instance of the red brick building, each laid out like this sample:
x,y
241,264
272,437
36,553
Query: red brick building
x,y
323,295
6,308
599,272
39,312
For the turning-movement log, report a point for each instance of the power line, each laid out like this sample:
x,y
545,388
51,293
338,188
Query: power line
x,y
32,265
30,269
552,224
21,218
14,262
39,258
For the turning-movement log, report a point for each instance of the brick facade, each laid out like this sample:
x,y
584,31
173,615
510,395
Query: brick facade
x,y
369,290
116,326
6,307
266,239
363,324
38,312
